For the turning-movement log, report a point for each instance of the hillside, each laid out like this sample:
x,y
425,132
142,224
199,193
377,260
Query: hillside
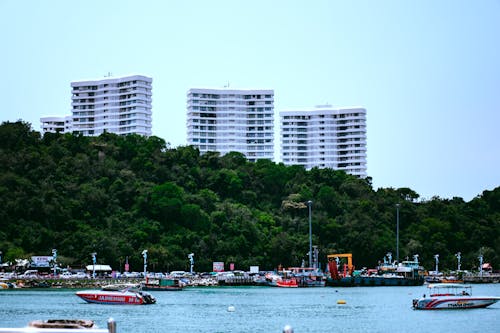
x,y
117,195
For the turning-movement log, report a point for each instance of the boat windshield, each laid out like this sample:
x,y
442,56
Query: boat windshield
x,y
122,287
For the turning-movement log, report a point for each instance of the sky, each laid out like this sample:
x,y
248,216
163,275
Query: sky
x,y
427,72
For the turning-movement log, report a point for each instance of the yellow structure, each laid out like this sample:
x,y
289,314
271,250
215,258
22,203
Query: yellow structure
x,y
343,255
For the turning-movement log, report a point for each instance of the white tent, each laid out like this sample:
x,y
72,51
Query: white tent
x,y
99,268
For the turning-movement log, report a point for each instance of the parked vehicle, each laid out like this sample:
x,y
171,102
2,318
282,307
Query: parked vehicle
x,y
81,275
177,274
29,274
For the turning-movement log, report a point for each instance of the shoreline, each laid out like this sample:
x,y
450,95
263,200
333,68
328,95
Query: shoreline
x,y
50,283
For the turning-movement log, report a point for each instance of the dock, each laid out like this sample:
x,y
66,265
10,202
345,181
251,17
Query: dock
x,y
235,281
484,278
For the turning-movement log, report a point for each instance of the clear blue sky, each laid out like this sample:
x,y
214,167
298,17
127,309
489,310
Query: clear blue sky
x,y
428,72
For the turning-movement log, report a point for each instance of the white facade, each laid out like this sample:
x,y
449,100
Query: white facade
x,y
56,124
325,137
226,120
120,105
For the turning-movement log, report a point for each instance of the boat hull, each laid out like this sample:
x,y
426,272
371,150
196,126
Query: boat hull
x,y
288,283
312,283
373,281
449,303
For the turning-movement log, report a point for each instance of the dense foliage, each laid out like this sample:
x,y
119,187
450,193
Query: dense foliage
x,y
117,195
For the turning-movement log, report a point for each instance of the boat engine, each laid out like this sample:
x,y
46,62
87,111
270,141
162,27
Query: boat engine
x,y
148,298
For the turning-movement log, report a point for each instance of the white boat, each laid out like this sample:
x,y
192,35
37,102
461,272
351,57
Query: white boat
x,y
452,296
62,326
7,285
117,294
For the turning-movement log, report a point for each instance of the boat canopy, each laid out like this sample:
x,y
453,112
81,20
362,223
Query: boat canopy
x,y
447,285
99,268
122,286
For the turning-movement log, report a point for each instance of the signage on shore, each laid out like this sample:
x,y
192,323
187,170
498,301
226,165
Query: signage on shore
x,y
41,261
218,266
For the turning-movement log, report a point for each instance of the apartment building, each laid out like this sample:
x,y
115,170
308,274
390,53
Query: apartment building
x,y
325,137
120,105
56,124
226,120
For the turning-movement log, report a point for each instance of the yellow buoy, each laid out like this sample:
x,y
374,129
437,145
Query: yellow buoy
x,y
341,301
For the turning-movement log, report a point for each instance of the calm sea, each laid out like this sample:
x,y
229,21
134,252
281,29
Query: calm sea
x,y
257,309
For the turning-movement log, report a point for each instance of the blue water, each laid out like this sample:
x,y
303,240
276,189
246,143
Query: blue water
x,y
257,309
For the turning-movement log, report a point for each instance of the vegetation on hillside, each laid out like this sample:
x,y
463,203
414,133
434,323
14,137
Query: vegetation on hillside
x,y
117,195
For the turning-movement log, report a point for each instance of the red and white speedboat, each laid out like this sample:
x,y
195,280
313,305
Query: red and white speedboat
x,y
452,296
117,294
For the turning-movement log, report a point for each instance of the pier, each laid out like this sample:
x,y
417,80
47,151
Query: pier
x,y
236,281
485,278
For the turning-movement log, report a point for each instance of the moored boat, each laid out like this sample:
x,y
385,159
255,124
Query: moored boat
x,y
451,279
308,277
118,294
7,285
62,326
162,285
406,273
452,296
311,281
287,283
283,279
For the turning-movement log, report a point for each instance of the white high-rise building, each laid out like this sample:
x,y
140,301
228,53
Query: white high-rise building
x,y
120,105
226,120
325,137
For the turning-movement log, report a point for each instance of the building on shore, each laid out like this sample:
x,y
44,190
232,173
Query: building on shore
x,y
119,105
225,120
325,137
56,124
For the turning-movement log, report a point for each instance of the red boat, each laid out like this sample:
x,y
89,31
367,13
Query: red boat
x,y
282,279
287,283
117,294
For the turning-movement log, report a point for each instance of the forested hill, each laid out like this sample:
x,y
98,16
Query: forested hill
x,y
118,195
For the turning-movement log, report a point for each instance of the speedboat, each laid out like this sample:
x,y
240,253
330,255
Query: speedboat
x,y
117,294
452,296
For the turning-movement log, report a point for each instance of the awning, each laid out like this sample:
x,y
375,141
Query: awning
x,y
99,268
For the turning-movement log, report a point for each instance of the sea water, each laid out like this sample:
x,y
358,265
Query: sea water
x,y
257,309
